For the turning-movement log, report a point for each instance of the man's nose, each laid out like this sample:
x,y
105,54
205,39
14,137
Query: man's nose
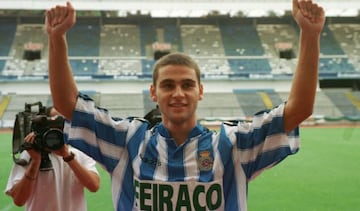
x,y
178,91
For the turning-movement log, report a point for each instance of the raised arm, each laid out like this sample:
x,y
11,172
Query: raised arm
x,y
62,84
310,18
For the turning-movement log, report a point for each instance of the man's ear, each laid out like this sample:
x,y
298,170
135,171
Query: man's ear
x,y
152,93
201,92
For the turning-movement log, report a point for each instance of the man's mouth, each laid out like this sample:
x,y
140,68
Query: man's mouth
x,y
177,105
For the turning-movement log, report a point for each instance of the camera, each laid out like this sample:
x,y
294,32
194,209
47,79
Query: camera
x,y
48,133
153,117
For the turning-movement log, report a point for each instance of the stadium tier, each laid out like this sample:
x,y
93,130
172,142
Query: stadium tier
x,y
110,48
107,49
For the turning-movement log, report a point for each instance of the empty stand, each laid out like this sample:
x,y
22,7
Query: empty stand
x,y
324,106
250,101
240,39
84,44
243,45
333,57
336,64
17,65
17,102
209,106
224,46
120,50
340,98
7,32
4,102
204,43
348,36
163,31
272,35
328,43
123,105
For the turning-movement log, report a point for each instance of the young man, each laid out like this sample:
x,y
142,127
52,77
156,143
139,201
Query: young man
x,y
180,165
60,188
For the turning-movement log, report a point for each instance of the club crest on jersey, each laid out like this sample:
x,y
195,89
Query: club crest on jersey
x,y
205,161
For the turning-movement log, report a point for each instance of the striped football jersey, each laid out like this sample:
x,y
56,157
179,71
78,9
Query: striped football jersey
x,y
210,171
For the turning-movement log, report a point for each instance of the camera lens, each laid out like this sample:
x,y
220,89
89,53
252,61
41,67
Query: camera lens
x,y
54,139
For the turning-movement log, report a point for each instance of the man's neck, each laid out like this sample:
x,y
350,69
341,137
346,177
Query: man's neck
x,y
180,132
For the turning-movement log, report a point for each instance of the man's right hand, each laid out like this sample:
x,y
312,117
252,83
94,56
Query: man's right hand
x,y
60,19
308,15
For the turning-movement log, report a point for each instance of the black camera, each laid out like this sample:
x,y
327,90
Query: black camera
x,y
153,116
48,133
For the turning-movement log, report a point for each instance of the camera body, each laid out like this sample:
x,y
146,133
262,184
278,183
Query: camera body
x,y
48,132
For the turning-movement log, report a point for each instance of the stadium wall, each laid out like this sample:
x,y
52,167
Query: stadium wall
x,y
138,86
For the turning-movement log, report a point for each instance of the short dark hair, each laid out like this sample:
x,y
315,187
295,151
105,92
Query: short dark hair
x,y
176,58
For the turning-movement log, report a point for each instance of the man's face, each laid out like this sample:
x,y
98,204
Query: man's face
x,y
177,92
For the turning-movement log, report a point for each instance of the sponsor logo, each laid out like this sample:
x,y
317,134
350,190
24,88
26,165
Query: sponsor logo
x,y
163,196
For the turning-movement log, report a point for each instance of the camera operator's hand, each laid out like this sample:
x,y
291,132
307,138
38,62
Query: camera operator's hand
x,y
63,151
35,155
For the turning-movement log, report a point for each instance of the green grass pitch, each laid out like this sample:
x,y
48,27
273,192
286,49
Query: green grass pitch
x,y
323,176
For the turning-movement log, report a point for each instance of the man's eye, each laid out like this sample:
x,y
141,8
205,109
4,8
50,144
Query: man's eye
x,y
187,85
167,86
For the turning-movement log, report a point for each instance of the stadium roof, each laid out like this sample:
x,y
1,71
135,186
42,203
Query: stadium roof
x,y
189,8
